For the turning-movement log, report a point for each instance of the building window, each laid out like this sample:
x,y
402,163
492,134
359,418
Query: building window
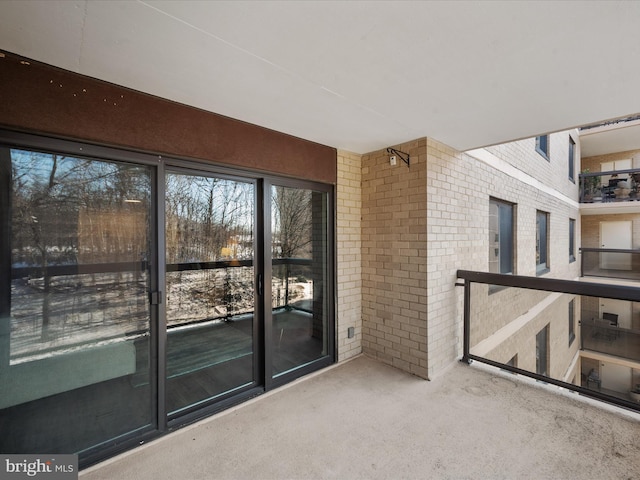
x,y
542,351
572,321
501,236
542,146
542,242
572,156
572,240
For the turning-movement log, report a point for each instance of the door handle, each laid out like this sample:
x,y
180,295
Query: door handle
x,y
260,285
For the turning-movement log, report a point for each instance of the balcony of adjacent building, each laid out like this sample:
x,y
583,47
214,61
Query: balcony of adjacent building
x,y
609,191
610,328
610,167
611,263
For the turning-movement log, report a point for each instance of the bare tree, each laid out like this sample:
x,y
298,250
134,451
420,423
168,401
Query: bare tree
x,y
292,219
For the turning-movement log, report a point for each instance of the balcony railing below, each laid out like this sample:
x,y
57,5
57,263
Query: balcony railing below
x,y
610,186
559,332
610,263
98,302
599,335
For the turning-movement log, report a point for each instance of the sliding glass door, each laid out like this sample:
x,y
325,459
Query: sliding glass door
x,y
299,277
75,320
139,293
210,272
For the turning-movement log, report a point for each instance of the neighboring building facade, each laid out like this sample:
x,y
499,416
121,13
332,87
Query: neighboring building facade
x,y
611,220
423,222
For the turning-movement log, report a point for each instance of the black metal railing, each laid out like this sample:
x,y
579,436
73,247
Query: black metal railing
x,y
624,187
555,331
59,306
616,121
610,263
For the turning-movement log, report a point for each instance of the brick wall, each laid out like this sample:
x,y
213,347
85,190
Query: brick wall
x,y
459,187
394,260
422,223
590,226
554,172
594,163
349,254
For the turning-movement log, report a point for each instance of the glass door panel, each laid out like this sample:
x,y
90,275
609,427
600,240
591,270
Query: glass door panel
x,y
209,224
299,251
75,370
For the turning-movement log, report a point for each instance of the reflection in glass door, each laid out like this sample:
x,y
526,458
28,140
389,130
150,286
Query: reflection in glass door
x,y
75,350
209,223
299,278
99,345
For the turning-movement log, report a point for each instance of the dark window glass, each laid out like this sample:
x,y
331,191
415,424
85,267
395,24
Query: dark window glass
x,y
542,146
572,322
501,241
571,159
542,351
542,242
572,240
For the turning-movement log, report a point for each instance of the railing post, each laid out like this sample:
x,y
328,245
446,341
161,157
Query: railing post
x,y
466,333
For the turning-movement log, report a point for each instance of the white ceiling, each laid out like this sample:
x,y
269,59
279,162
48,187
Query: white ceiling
x,y
618,137
354,75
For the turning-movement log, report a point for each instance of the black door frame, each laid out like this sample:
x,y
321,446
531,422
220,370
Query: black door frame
x,y
330,358
224,400
263,381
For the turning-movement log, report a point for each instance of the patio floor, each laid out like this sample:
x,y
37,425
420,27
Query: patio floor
x,y
363,419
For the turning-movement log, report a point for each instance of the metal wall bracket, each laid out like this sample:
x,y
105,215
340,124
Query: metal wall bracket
x,y
404,156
